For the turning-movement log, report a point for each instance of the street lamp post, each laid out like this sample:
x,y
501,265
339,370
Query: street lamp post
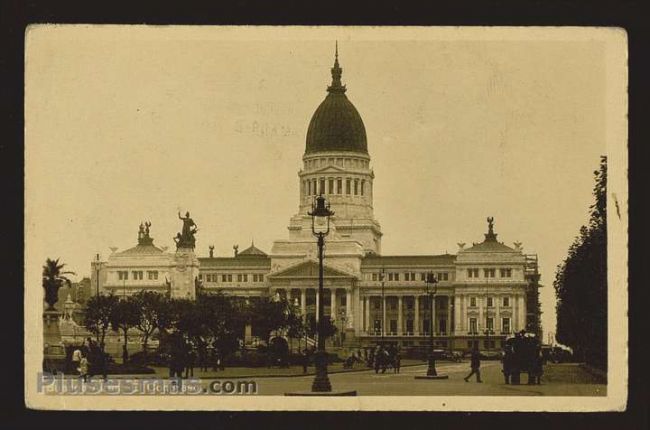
x,y
431,289
320,227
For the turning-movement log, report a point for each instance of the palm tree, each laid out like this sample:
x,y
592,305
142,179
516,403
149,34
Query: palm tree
x,y
53,279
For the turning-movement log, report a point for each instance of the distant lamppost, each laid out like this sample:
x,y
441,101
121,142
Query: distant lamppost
x,y
320,227
431,289
488,332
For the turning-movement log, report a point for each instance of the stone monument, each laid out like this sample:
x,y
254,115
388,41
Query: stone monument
x,y
186,265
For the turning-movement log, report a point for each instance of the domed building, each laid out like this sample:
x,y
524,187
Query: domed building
x,y
484,293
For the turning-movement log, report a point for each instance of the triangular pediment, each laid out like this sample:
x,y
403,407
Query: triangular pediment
x,y
309,269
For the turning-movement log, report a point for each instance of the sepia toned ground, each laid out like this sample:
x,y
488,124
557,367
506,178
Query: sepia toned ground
x,y
558,380
567,379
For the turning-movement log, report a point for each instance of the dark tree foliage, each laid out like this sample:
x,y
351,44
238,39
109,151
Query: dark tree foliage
x,y
53,279
270,315
329,328
581,284
125,315
98,315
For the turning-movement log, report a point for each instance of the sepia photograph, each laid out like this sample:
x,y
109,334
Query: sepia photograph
x,y
325,218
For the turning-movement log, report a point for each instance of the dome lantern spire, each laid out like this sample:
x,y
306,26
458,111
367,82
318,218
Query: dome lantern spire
x,y
336,86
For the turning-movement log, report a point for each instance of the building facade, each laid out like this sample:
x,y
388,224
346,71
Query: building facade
x,y
484,292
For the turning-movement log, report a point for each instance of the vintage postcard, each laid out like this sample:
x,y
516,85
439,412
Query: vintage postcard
x,y
325,218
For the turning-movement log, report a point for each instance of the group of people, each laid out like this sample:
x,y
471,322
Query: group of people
x,y
521,354
88,359
383,357
184,355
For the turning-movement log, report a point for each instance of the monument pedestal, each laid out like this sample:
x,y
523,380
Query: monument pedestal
x,y
184,273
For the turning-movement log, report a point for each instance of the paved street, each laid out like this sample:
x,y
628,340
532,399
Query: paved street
x,y
559,380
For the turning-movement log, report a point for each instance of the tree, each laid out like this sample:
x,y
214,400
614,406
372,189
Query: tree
x,y
53,279
581,283
329,328
97,317
270,315
154,314
125,315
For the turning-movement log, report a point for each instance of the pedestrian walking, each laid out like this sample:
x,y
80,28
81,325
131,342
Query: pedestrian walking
x,y
476,366
76,358
83,367
397,363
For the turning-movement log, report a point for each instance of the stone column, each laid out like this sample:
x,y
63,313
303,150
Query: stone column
x,y
514,323
348,307
383,315
333,315
448,315
303,303
366,311
521,308
497,315
400,330
416,322
456,313
480,323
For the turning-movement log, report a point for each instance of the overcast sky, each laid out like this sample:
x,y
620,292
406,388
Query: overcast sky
x,y
127,125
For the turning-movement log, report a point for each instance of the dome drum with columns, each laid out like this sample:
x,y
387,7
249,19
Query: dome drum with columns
x,y
484,291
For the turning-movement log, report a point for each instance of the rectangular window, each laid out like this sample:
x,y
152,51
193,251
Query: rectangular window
x,y
330,185
314,187
224,278
123,275
505,325
397,276
489,323
506,301
152,275
344,300
245,277
322,186
489,302
443,325
356,187
488,273
348,186
308,187
409,304
137,275
472,301
375,276
423,276
339,186
472,273
390,276
376,303
506,273
473,328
